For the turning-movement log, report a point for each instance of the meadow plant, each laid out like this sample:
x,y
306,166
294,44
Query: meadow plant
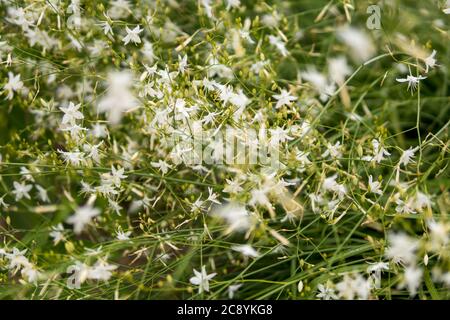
x,y
222,149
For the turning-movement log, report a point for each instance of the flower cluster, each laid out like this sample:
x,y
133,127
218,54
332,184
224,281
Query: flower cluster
x,y
177,149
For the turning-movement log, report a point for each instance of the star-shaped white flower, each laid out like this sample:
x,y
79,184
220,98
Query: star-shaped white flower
x,y
412,81
71,113
21,190
162,166
246,250
407,155
123,236
201,279
284,99
13,84
81,217
430,61
374,186
132,35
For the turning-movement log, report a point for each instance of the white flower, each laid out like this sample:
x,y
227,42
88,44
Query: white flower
x,y
162,166
245,31
420,201
166,77
212,196
362,47
180,110
232,186
75,131
106,27
13,85
405,208
240,100
207,7
3,203
101,271
210,118
57,233
377,266
120,235
412,81
197,205
330,184
226,93
106,188
119,9
74,158
93,151
412,279
74,7
182,63
232,290
82,216
354,286
335,151
91,252
375,269
235,215
439,234
259,197
319,82
430,61
277,136
407,155
79,271
284,99
233,4
338,69
132,35
22,190
302,158
446,10
374,186
378,152
216,68
17,259
86,188
279,44
246,250
20,17
115,206
119,97
438,276
42,193
402,248
117,175
326,292
257,67
30,274
271,20
99,130
71,113
201,279
149,55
